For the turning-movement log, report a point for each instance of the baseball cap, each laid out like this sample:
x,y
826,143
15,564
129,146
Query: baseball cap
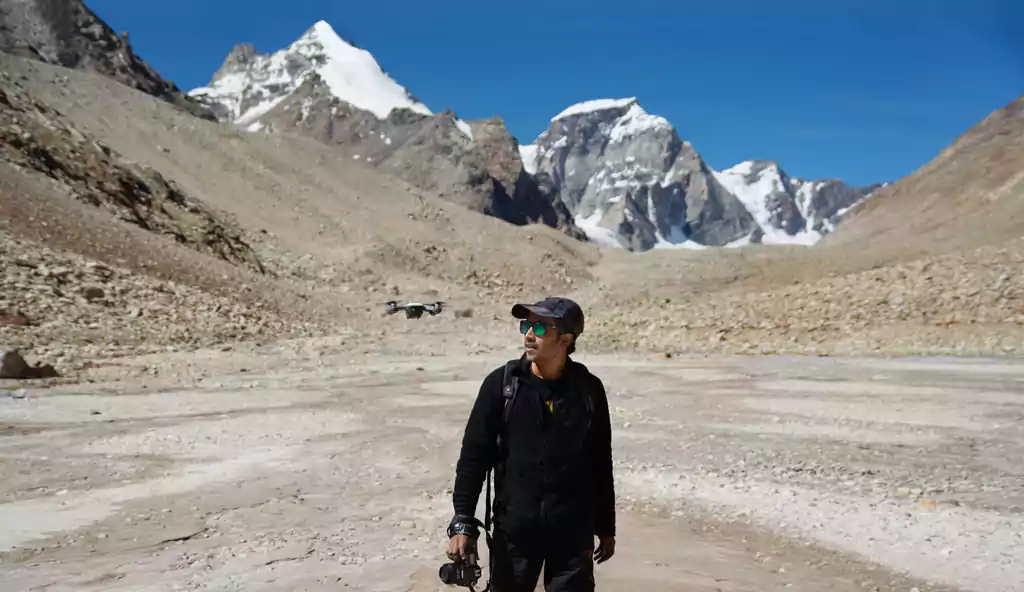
x,y
568,312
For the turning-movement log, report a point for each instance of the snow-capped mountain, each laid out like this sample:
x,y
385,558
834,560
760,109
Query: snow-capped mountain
x,y
250,84
789,210
328,89
630,181
605,169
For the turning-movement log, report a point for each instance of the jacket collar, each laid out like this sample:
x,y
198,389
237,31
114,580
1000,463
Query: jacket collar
x,y
572,368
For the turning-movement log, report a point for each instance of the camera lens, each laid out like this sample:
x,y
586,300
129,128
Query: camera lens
x,y
447,573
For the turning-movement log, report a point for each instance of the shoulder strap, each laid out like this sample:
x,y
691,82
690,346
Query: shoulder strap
x,y
509,388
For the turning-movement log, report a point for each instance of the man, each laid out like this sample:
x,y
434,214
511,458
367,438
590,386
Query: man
x,y
553,481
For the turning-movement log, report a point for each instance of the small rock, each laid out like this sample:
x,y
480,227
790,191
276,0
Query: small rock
x,y
92,293
12,365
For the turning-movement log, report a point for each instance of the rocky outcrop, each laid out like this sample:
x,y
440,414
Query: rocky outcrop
x,y
67,33
37,138
532,201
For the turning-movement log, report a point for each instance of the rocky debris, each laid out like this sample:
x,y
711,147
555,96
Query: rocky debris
x,y
84,310
14,320
69,34
36,137
969,303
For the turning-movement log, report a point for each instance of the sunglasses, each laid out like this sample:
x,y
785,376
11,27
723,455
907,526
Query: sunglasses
x,y
539,327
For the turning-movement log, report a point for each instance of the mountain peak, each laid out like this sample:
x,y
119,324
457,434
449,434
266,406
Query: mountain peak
x,y
252,84
752,167
596,105
353,74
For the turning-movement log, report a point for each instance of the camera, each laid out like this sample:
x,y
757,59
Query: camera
x,y
460,573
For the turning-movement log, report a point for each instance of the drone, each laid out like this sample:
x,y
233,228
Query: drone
x,y
414,310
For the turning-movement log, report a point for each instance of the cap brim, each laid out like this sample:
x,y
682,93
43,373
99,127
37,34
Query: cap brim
x,y
522,311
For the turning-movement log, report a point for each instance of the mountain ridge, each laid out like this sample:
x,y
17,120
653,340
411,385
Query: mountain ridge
x,y
776,208
71,35
252,90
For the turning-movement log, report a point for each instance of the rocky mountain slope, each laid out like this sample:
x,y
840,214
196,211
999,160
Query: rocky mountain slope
x,y
335,237
68,33
37,138
324,87
971,194
630,180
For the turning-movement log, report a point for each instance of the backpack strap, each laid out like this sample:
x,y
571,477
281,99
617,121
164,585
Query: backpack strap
x,y
509,388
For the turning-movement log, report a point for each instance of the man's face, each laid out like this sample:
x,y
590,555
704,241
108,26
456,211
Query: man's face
x,y
546,346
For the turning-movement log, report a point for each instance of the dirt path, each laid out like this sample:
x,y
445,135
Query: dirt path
x,y
280,470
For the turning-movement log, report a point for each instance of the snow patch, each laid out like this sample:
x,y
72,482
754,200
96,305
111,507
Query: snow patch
x,y
594,105
464,127
677,239
353,74
530,155
259,111
597,234
637,121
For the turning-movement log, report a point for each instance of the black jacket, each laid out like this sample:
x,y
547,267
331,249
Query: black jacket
x,y
553,473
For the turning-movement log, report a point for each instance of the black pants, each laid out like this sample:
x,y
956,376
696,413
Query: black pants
x,y
567,562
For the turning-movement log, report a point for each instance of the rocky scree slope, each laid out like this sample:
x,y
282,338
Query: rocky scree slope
x,y
68,33
323,87
971,194
965,303
61,308
630,180
36,137
336,238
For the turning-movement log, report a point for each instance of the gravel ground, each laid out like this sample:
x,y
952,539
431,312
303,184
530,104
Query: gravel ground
x,y
269,468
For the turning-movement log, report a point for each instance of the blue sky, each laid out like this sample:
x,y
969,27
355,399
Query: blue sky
x,y
860,90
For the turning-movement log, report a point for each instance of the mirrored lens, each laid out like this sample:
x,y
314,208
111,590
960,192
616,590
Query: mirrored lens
x,y
539,328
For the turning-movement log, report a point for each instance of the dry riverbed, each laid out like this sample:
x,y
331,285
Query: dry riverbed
x,y
303,466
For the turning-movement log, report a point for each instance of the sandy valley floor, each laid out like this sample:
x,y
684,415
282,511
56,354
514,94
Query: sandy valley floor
x,y
303,467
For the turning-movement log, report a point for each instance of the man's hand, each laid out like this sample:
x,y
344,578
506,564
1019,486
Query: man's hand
x,y
605,549
460,546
